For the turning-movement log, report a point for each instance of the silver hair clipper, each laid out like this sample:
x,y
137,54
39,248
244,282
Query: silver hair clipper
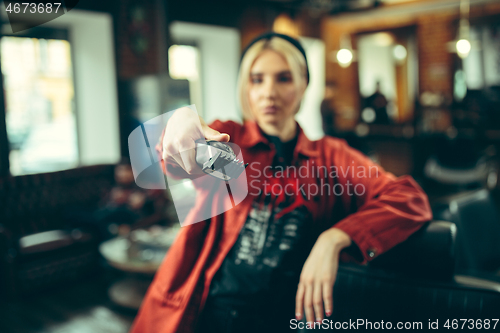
x,y
218,160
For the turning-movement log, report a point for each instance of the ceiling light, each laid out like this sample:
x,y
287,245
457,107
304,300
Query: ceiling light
x,y
399,52
463,48
344,57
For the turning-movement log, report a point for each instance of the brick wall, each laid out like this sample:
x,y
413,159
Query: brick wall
x,y
435,61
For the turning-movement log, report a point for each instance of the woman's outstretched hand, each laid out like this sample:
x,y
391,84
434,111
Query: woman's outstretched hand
x,y
182,132
315,290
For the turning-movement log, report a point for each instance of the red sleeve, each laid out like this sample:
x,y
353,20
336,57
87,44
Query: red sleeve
x,y
228,127
388,209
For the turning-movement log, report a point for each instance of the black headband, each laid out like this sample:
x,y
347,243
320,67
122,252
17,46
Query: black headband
x,y
268,35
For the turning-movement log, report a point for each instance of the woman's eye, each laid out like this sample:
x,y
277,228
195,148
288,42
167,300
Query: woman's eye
x,y
256,79
285,78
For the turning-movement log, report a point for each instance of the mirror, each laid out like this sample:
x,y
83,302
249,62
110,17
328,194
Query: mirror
x,y
388,75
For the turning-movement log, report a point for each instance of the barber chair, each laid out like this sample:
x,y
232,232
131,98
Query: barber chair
x,y
478,223
460,165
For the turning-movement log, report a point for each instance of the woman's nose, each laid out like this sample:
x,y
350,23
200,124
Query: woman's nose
x,y
270,88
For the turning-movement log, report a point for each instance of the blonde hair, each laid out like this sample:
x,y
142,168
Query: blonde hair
x,y
292,55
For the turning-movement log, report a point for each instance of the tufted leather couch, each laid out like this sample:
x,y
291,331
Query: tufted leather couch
x,y
38,249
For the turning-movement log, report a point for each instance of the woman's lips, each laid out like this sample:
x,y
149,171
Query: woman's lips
x,y
270,110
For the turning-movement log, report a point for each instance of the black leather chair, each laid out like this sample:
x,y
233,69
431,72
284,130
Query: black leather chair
x,y
478,223
415,281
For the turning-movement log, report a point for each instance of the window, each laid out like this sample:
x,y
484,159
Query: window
x,y
184,64
39,104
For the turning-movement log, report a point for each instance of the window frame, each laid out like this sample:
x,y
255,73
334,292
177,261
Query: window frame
x,y
39,33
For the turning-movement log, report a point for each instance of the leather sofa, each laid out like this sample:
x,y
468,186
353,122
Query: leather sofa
x,y
446,270
38,247
416,281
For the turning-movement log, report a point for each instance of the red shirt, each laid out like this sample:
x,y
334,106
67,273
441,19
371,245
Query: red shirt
x,y
376,209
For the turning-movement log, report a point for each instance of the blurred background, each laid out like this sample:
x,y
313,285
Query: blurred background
x,y
414,84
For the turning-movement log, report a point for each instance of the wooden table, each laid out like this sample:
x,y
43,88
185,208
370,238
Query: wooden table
x,y
129,291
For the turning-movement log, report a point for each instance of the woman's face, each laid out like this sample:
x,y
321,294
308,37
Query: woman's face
x,y
272,94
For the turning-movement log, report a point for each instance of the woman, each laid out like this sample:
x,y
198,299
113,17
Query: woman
x,y
275,255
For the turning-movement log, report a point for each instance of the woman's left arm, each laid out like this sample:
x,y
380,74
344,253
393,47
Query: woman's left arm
x,y
387,211
318,275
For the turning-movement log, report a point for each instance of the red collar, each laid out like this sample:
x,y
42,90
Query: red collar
x,y
252,135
